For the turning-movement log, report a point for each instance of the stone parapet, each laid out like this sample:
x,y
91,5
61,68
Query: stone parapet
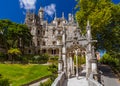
x,y
59,80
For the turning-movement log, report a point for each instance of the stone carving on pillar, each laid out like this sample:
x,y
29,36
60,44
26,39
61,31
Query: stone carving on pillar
x,y
64,50
60,62
89,53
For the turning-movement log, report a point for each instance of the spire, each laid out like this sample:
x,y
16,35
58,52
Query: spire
x,y
63,15
41,9
55,16
88,23
77,25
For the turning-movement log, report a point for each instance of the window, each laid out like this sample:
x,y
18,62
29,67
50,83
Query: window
x,y
44,43
59,22
43,51
53,31
43,32
38,43
38,51
54,43
29,51
58,31
38,32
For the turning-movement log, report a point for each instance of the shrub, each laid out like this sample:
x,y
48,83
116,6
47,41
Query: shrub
x,y
2,57
43,58
107,59
47,83
4,81
53,68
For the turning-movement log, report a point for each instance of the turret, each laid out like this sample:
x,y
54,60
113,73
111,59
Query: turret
x,y
71,18
63,15
41,14
88,31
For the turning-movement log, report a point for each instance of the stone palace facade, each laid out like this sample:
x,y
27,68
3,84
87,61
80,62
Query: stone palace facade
x,y
47,37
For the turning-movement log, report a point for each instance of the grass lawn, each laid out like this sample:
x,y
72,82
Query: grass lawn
x,y
21,74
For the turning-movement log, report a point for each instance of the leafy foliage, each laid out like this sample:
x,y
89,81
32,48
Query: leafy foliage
x,y
107,59
13,35
53,69
47,83
14,51
4,81
105,22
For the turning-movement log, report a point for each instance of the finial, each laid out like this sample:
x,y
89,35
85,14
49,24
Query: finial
x,y
55,16
63,15
88,23
77,24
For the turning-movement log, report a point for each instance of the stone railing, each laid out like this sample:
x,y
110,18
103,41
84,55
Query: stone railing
x,y
59,80
93,82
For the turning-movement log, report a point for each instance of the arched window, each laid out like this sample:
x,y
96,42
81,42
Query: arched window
x,y
43,32
38,43
38,32
38,51
59,31
44,51
44,43
29,51
53,32
54,42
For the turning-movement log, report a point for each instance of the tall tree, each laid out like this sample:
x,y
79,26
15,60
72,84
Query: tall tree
x,y
13,35
105,22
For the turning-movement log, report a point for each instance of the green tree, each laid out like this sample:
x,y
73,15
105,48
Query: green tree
x,y
13,35
4,24
14,52
105,22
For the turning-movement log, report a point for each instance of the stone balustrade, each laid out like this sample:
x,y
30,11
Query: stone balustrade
x,y
59,80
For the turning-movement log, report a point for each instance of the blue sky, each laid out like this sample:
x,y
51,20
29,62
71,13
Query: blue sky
x,y
15,9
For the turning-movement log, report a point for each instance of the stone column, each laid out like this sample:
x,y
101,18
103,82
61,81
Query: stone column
x,y
60,62
94,62
71,65
64,50
73,70
76,54
68,66
88,65
88,50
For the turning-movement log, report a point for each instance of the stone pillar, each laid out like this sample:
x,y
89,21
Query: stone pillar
x,y
73,70
88,50
64,50
68,66
71,65
76,54
60,62
88,65
94,62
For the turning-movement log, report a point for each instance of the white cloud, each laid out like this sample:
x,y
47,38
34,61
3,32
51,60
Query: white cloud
x,y
27,4
50,9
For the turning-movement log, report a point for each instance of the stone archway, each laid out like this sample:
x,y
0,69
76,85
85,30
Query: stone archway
x,y
74,50
44,51
50,50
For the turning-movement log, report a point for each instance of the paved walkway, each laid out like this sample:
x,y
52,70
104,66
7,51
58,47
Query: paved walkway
x,y
81,81
38,83
109,78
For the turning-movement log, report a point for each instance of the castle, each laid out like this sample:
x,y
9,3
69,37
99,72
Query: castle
x,y
47,37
